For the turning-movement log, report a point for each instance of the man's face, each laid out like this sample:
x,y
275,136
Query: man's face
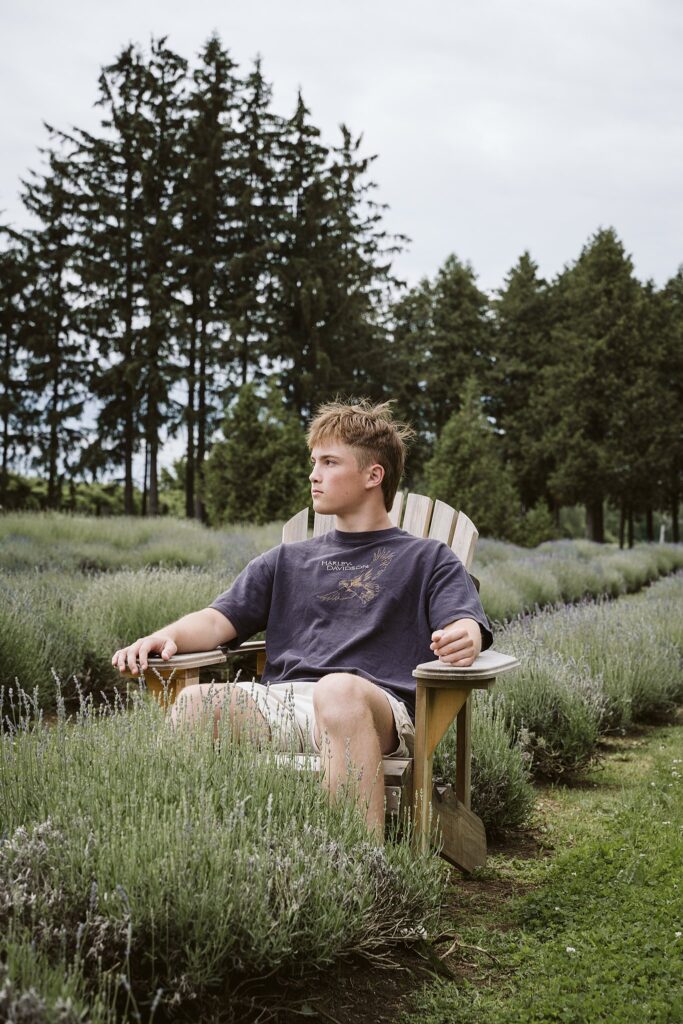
x,y
338,486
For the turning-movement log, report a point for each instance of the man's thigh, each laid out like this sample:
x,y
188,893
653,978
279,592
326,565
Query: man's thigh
x,y
289,710
390,718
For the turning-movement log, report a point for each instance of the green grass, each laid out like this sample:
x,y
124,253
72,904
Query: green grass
x,y
599,936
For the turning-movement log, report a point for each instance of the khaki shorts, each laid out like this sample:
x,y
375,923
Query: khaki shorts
x,y
288,709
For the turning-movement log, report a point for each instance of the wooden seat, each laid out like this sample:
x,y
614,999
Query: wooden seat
x,y
443,694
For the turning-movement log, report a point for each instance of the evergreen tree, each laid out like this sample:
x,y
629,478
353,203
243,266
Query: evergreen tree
x,y
257,229
205,205
669,388
583,391
57,357
110,261
523,312
460,341
259,472
299,312
406,373
467,469
15,400
332,274
162,170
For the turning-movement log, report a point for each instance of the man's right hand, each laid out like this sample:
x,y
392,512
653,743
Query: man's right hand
x,y
126,660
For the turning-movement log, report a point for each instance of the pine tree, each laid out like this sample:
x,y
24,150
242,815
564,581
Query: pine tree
x,y
15,400
669,387
57,355
467,469
522,342
205,205
110,261
256,229
259,472
161,173
583,391
299,311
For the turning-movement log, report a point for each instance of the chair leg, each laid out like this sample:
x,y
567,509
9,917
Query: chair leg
x,y
166,687
463,754
435,709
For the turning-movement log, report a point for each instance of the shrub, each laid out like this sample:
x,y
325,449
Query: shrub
x,y
502,794
192,867
554,708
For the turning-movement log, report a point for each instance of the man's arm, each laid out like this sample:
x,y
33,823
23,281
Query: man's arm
x,y
459,643
198,631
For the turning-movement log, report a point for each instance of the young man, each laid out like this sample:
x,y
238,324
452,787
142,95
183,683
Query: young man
x,y
348,616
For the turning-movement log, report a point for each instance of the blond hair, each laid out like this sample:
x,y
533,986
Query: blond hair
x,y
371,431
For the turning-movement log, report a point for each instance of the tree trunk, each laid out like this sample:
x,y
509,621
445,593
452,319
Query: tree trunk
x,y
675,535
153,471
53,450
622,524
190,420
144,482
128,494
595,526
630,527
650,525
199,506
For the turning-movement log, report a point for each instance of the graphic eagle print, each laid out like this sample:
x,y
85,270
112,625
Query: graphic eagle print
x,y
363,586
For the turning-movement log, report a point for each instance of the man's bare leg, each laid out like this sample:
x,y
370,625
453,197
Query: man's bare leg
x,y
359,723
202,702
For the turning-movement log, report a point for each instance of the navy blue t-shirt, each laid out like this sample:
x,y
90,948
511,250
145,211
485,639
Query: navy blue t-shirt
x,y
365,603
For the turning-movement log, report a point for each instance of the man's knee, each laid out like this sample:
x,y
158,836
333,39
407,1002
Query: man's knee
x,y
195,701
341,699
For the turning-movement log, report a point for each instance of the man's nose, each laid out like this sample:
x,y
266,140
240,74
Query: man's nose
x,y
313,475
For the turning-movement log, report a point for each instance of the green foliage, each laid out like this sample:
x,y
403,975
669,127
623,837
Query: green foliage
x,y
554,708
535,526
632,649
35,991
524,310
73,543
188,866
502,794
514,580
259,472
593,933
467,471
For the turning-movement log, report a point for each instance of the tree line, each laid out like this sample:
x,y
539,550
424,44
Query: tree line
x,y
204,265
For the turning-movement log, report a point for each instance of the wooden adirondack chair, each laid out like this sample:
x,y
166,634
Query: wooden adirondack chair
x,y
443,693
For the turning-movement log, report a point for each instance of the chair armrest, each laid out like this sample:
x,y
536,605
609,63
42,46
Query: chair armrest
x,y
246,648
196,659
487,667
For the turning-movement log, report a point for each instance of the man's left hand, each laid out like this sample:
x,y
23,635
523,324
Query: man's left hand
x,y
459,643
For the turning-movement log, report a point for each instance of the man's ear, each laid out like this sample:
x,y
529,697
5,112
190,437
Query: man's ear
x,y
375,475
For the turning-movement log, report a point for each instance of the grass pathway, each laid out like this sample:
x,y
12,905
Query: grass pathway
x,y
585,922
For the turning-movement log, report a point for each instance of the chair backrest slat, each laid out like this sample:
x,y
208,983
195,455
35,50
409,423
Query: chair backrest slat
x,y
417,515
416,520
322,524
464,540
296,528
397,508
443,521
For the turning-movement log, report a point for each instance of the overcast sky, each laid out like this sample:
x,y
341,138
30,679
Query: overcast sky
x,y
500,125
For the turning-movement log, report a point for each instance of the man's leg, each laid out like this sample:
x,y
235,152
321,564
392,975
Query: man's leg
x,y
205,702
359,723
